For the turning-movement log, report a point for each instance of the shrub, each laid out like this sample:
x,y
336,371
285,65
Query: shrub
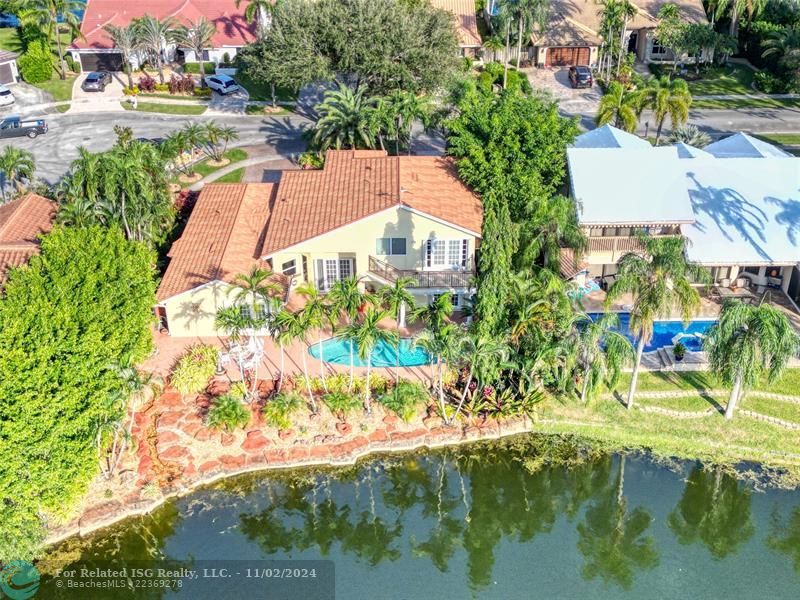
x,y
310,160
209,68
162,87
342,404
130,91
181,85
404,399
226,58
278,411
72,64
202,92
768,83
227,413
146,84
194,369
36,65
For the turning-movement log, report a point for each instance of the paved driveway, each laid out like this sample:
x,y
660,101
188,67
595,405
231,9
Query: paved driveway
x,y
571,101
24,96
98,101
233,103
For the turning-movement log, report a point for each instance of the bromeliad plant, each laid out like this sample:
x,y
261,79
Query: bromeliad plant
x,y
342,404
279,410
227,413
194,369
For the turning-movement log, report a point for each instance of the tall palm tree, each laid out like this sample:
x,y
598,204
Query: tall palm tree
x,y
216,139
660,280
317,313
368,335
437,344
258,285
397,300
602,352
350,332
529,13
493,44
124,40
405,109
505,15
620,107
554,225
667,98
690,135
785,44
344,120
197,36
628,11
347,298
281,324
436,314
736,9
295,327
747,342
50,15
153,34
260,12
16,165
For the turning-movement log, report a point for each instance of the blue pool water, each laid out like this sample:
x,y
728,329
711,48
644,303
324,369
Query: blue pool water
x,y
337,350
665,331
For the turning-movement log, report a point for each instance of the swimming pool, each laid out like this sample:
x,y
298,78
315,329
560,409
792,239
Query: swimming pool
x,y
665,331
337,350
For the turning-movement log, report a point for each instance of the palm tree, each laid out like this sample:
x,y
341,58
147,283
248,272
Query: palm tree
x,y
317,313
368,335
153,34
494,43
628,11
660,280
484,355
736,9
436,314
295,327
261,12
15,166
529,13
667,98
258,284
346,297
785,44
619,106
344,120
690,135
603,351
197,36
747,342
50,15
405,108
397,300
437,343
124,40
216,139
281,325
350,333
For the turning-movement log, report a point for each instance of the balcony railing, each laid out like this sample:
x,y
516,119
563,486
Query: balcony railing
x,y
422,279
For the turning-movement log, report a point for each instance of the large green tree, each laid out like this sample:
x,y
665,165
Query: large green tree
x,y
51,16
77,310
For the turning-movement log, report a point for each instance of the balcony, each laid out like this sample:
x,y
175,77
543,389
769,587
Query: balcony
x,y
422,279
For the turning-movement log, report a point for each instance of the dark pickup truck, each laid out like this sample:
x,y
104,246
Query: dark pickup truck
x,y
16,127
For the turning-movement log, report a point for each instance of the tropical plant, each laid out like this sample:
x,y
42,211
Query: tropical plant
x,y
194,369
124,40
233,321
369,334
216,139
436,314
438,343
260,12
317,313
406,108
486,357
197,36
553,225
736,9
784,44
398,301
689,135
258,288
227,413
344,120
493,44
529,14
404,399
282,336
748,342
620,107
295,327
50,16
152,35
347,298
279,409
659,280
16,165
602,351
667,98
342,404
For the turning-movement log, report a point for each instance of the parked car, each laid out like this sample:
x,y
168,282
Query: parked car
x,y
581,76
222,84
96,81
6,97
16,127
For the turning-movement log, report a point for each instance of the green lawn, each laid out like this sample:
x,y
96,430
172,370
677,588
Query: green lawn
x,y
684,403
747,103
168,109
232,177
233,155
258,91
9,40
788,411
666,381
784,139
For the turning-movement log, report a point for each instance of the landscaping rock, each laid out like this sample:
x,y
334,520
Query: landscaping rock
x,y
379,435
433,421
255,442
203,434
391,419
165,438
174,453
226,439
285,434
344,428
209,466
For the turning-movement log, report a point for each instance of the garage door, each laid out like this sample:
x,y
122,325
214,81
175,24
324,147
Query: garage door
x,y
6,74
568,55
101,61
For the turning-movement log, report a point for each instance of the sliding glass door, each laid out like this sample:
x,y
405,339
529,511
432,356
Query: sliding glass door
x,y
331,270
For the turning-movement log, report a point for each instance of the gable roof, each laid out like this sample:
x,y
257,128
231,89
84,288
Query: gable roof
x,y
687,151
741,145
358,183
466,20
22,221
232,29
221,238
609,137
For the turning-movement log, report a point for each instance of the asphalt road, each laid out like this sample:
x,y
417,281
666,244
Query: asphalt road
x,y
55,151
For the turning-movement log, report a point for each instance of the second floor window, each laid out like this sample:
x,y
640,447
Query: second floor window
x,y
448,254
390,247
289,268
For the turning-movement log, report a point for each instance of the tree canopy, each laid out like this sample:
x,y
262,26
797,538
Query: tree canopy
x,y
352,40
68,320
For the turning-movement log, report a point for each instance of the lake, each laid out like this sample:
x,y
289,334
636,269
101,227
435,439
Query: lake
x,y
483,521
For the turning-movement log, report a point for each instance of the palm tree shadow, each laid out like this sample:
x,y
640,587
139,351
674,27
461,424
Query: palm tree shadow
x,y
730,210
788,216
285,135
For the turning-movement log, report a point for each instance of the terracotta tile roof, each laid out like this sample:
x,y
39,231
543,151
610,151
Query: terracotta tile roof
x,y
232,29
466,20
221,238
357,184
567,264
22,221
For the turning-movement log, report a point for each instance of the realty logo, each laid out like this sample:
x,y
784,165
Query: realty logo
x,y
19,580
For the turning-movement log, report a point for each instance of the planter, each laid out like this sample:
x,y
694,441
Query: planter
x,y
214,163
190,178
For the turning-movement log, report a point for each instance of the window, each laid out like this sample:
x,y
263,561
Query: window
x,y
455,299
331,270
451,254
289,268
261,311
658,48
390,247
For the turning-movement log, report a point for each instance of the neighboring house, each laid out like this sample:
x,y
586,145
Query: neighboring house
x,y
366,214
8,67
95,50
573,35
22,222
469,39
737,203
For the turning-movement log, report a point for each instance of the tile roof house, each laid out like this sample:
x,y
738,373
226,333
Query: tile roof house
x,y
365,213
95,49
466,23
736,201
22,221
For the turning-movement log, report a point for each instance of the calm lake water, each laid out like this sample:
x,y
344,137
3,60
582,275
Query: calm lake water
x,y
486,521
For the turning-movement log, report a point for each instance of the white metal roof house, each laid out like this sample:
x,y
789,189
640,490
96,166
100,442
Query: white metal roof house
x,y
737,202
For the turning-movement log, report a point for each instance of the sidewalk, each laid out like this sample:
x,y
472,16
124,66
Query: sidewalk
x,y
248,162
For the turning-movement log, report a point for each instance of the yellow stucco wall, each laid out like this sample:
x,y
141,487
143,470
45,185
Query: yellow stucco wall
x,y
192,313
